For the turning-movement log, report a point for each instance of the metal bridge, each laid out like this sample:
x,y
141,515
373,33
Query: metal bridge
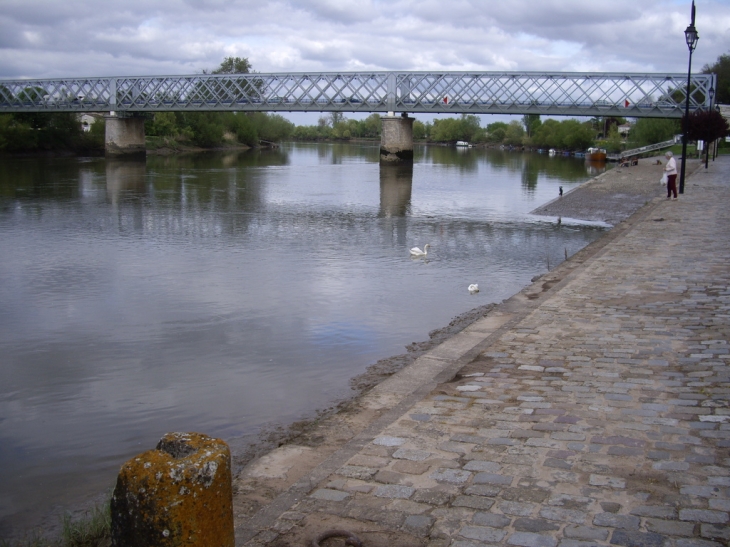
x,y
556,94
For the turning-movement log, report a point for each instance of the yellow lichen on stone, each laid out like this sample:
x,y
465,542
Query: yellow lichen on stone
x,y
176,495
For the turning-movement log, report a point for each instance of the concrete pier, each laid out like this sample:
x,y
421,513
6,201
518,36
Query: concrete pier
x,y
396,139
590,409
124,135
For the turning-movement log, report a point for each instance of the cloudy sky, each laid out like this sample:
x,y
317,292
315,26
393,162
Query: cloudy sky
x,y
52,38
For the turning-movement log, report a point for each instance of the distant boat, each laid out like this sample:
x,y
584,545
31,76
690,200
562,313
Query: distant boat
x,y
595,154
463,143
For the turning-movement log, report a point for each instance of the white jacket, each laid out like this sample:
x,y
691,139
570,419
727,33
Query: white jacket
x,y
671,167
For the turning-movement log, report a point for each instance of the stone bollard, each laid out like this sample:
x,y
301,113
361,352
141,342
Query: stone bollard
x,y
176,495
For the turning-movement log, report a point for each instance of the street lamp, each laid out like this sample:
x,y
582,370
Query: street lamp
x,y
691,36
711,92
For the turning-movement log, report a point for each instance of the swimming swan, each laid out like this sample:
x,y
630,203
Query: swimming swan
x,y
473,288
418,252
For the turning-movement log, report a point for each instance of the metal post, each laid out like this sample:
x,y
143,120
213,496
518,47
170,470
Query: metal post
x,y
691,37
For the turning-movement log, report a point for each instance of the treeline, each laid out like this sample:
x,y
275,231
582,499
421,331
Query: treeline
x,y
36,132
212,129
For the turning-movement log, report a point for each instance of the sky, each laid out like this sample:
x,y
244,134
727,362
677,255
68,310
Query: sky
x,y
85,38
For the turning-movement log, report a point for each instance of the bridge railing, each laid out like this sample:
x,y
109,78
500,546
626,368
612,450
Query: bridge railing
x,y
564,94
641,150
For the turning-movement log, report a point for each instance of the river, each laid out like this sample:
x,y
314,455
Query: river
x,y
228,293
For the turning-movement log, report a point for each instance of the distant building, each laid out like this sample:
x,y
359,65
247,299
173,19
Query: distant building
x,y
624,129
87,120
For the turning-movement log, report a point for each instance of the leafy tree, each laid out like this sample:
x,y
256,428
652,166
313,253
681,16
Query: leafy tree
x,y
514,134
576,135
531,123
163,124
721,67
613,142
234,65
706,125
419,130
465,128
653,130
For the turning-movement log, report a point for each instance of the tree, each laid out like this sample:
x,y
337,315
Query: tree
x,y
513,135
531,123
653,130
722,68
707,125
234,65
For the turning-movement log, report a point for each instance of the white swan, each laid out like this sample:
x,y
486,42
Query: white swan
x,y
473,288
418,252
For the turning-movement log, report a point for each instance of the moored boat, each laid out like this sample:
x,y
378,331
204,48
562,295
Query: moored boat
x,y
595,154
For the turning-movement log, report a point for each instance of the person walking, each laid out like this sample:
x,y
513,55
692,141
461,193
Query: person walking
x,y
671,171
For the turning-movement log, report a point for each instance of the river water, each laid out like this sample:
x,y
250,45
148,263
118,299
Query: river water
x,y
226,293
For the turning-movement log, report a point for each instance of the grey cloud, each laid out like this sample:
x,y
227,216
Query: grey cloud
x,y
76,38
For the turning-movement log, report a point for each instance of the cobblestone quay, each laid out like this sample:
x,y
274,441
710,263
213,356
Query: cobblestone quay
x,y
590,409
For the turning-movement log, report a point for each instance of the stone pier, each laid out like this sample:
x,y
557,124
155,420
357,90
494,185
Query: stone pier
x,y
396,141
124,135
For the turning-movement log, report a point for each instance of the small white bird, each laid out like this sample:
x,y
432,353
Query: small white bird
x,y
418,252
473,288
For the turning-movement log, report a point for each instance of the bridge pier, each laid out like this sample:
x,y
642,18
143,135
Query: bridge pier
x,y
124,135
396,138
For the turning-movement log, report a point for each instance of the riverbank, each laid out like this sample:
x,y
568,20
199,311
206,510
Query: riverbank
x,y
590,407
611,197
311,451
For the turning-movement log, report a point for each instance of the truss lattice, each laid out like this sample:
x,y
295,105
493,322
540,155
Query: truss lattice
x,y
558,94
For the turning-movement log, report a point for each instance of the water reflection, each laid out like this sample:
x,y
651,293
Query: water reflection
x,y
225,292
595,168
396,182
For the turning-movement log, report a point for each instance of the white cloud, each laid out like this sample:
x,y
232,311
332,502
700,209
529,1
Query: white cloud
x,y
44,38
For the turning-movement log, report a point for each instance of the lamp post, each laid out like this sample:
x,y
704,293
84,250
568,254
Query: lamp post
x,y
707,144
691,37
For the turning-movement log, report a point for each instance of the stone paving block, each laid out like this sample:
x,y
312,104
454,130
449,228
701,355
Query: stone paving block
x,y
613,482
474,502
413,455
586,533
330,495
492,478
516,508
535,525
704,515
564,515
715,531
394,491
579,543
656,511
418,524
670,527
477,465
624,522
454,476
410,467
482,533
492,520
637,539
527,539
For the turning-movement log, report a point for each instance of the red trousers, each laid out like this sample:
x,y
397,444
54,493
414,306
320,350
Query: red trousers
x,y
671,186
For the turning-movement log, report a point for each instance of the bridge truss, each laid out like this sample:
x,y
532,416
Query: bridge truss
x,y
556,94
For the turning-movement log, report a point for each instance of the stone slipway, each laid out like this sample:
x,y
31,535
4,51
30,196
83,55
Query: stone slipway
x,y
591,408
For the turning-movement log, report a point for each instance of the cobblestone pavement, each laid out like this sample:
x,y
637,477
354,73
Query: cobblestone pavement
x,y
593,408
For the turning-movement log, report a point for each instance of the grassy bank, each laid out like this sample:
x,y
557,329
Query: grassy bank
x,y
93,529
